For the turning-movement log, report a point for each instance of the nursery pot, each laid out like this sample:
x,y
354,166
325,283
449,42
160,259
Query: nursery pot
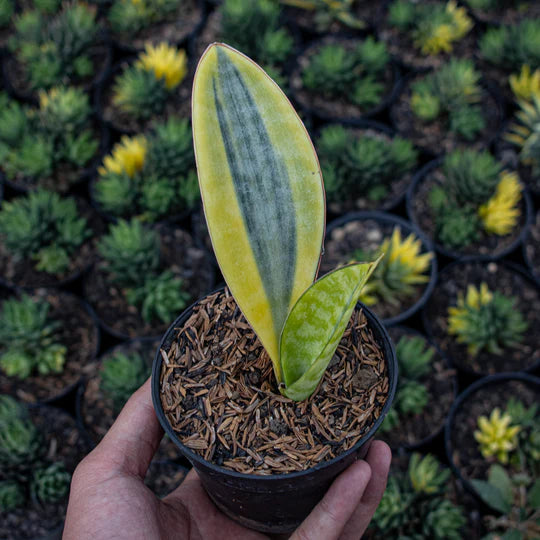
x,y
461,401
272,503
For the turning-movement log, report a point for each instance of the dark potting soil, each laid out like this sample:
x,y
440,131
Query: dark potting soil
x,y
366,235
488,244
412,429
498,278
63,443
163,477
465,452
173,29
306,20
335,107
395,189
77,332
64,176
436,137
219,393
22,272
401,45
532,247
179,254
18,76
178,104
97,409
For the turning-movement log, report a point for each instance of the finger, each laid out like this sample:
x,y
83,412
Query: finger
x,y
379,457
133,439
328,518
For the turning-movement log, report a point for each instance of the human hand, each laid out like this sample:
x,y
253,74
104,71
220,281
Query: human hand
x,y
108,497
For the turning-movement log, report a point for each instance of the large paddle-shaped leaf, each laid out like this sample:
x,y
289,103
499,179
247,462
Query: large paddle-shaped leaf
x,y
316,325
261,188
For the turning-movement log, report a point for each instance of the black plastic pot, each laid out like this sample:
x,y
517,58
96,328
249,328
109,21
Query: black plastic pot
x,y
468,373
392,202
63,394
315,112
407,228
427,441
489,88
274,503
461,402
450,253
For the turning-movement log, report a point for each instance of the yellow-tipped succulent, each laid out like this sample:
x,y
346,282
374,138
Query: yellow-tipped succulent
x,y
500,214
435,36
166,62
127,157
402,267
495,436
526,85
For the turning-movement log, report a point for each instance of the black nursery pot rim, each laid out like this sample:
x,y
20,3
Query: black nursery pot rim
x,y
386,217
423,443
421,175
193,457
512,267
394,89
485,381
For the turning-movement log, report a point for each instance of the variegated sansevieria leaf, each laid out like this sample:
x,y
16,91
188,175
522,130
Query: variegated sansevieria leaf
x,y
316,325
261,188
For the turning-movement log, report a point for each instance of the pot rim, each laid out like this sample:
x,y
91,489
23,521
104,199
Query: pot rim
x,y
420,176
428,246
466,394
193,457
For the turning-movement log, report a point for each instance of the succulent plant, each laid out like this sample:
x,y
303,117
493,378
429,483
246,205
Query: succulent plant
x,y
402,268
526,85
11,495
355,76
21,444
328,11
131,16
452,90
143,88
50,484
527,454
10,408
414,358
488,321
28,338
434,28
120,375
34,143
7,8
511,46
47,6
416,504
34,225
152,176
525,133
476,195
54,50
362,166
495,436
254,28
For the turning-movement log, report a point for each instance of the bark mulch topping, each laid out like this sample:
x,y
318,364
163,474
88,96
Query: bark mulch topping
x,y
218,392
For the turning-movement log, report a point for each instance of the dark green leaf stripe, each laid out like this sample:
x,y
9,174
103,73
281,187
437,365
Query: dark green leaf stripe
x,y
258,174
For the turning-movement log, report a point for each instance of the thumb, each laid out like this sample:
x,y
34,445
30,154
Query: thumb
x,y
330,516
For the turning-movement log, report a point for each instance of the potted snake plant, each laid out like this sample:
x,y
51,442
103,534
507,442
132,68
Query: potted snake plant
x,y
249,372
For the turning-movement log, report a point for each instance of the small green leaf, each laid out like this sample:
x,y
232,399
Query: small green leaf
x,y
316,325
491,496
534,495
499,478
